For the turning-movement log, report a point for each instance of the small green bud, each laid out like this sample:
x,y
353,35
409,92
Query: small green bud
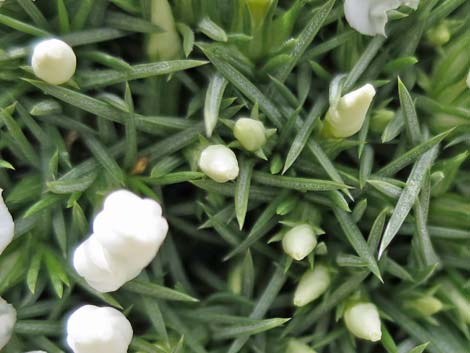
x,y
425,306
299,242
235,279
439,35
312,285
347,117
297,346
165,45
380,120
250,133
258,10
276,164
363,321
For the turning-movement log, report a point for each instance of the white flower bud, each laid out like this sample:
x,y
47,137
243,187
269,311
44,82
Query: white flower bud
x,y
7,322
312,285
53,61
7,227
299,242
219,163
425,306
128,233
297,346
250,133
92,329
363,321
347,117
369,17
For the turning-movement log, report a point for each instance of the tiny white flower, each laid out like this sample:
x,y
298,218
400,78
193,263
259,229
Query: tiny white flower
x,y
299,241
127,235
7,322
92,329
312,285
250,133
297,346
347,117
369,17
7,227
53,61
219,163
363,321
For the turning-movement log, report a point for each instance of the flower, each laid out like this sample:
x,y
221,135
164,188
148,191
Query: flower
x,y
219,163
250,133
127,235
92,329
299,241
312,285
7,226
297,346
7,322
363,321
53,61
369,17
347,117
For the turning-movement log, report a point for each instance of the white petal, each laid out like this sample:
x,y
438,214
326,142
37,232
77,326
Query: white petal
x,y
250,133
312,285
299,242
7,227
92,329
7,322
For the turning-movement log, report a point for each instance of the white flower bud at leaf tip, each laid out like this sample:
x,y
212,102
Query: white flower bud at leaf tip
x,y
250,133
92,329
127,235
312,285
347,117
369,17
297,346
53,61
219,163
363,321
299,242
7,322
7,226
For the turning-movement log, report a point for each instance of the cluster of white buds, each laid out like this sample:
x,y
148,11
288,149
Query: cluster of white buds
x,y
347,117
127,235
92,329
53,61
219,163
299,241
363,321
7,226
312,285
369,17
7,322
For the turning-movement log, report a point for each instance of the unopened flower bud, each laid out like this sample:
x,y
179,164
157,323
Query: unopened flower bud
x,y
299,241
369,17
167,44
258,10
219,163
7,227
363,321
312,285
7,322
439,35
53,61
380,120
297,346
92,329
347,117
250,133
425,306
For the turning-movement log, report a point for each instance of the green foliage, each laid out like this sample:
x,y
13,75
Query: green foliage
x,y
390,205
